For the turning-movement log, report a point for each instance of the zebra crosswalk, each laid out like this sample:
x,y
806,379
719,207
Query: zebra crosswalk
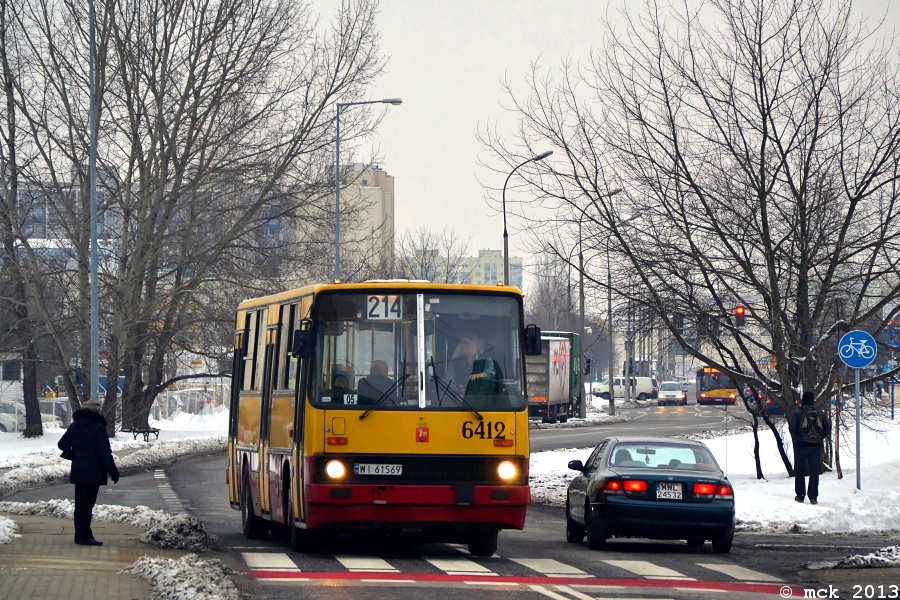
x,y
279,565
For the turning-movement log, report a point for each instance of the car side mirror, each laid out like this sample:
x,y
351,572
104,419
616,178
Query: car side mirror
x,y
532,340
576,465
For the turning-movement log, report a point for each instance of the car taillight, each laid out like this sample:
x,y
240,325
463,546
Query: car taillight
x,y
620,486
705,490
708,490
725,492
613,486
635,485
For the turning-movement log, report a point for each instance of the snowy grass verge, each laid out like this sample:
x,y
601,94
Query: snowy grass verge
x,y
162,530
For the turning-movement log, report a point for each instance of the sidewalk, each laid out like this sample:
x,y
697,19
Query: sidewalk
x,y
45,562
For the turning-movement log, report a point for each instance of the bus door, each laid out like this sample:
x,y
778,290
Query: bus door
x,y
265,468
281,422
249,407
237,368
296,380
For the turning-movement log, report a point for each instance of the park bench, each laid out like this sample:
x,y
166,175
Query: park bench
x,y
146,432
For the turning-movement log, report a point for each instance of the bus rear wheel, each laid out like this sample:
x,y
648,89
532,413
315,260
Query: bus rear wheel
x,y
254,527
483,543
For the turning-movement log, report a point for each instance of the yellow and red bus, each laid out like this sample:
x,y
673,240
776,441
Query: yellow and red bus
x,y
349,412
715,387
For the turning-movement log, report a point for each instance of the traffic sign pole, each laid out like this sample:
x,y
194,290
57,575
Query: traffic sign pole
x,y
858,459
857,349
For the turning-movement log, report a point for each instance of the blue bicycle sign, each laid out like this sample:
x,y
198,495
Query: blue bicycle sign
x,y
857,349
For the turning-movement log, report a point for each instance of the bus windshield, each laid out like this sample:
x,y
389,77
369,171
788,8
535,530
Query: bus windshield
x,y
711,379
415,351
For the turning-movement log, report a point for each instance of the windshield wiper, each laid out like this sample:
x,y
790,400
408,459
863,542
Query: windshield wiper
x,y
452,393
385,396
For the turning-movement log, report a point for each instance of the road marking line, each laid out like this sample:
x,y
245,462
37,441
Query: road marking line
x,y
647,569
459,566
357,563
269,561
550,567
737,572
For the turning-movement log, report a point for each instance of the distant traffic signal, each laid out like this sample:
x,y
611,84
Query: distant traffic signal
x,y
740,315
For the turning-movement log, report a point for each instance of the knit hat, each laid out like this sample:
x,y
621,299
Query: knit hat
x,y
808,398
92,405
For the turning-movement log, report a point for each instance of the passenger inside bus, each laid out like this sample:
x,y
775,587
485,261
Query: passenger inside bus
x,y
375,384
340,385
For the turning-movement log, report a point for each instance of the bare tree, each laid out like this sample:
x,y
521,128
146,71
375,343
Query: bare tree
x,y
215,142
757,146
424,254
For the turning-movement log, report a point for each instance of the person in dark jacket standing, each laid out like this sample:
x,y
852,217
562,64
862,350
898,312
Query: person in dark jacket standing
x,y
87,443
809,446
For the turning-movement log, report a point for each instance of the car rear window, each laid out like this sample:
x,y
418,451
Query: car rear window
x,y
662,456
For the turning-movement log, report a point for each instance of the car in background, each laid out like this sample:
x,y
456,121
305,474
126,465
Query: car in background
x,y
642,388
671,392
12,417
650,487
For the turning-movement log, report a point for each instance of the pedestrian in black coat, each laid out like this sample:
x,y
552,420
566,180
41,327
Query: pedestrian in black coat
x,y
86,444
807,456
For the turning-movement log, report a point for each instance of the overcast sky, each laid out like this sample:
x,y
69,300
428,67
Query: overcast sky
x,y
447,61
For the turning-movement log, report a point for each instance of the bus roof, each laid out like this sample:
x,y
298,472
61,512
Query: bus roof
x,y
376,284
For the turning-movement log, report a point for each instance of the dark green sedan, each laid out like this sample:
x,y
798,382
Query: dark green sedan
x,y
650,487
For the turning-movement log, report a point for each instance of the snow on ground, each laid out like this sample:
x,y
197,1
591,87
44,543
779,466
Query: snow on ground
x,y
762,505
8,530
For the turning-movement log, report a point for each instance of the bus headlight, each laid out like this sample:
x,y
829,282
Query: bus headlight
x,y
507,470
335,469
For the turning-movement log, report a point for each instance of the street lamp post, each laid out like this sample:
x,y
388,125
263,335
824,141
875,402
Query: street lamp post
x,y
337,176
582,410
540,156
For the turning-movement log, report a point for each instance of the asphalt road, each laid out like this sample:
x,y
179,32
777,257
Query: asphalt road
x,y
536,562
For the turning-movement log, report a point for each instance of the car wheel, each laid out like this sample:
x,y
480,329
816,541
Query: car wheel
x,y
696,542
605,395
642,396
483,544
684,402
254,527
722,545
574,531
596,530
2,429
658,403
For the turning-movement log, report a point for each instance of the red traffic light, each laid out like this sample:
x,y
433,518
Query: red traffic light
x,y
740,310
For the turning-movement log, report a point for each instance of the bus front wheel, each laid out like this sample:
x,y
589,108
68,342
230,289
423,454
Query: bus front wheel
x,y
483,544
254,527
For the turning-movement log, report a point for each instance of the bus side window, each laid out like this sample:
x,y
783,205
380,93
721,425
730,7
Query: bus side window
x,y
249,346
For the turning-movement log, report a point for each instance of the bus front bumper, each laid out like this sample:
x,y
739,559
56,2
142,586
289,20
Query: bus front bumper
x,y
502,507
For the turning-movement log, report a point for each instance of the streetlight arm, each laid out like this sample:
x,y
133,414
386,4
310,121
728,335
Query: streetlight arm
x,y
337,175
540,156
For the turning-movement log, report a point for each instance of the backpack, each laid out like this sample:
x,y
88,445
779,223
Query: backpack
x,y
810,426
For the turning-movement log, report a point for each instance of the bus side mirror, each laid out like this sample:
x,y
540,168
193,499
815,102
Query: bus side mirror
x,y
532,340
303,343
